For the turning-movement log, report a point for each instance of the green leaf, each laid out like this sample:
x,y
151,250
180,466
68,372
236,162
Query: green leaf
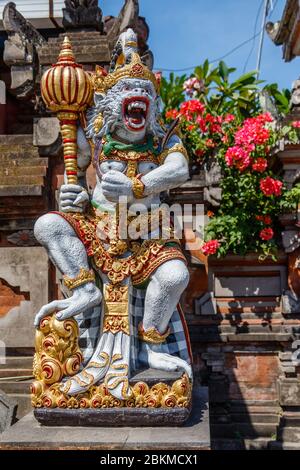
x,y
223,70
282,99
246,76
205,67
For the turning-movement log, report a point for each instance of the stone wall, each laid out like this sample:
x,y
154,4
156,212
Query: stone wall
x,y
24,270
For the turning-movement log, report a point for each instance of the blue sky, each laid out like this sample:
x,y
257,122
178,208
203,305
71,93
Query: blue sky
x,y
185,32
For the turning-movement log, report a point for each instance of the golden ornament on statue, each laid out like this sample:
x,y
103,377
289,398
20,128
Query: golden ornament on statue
x,y
67,90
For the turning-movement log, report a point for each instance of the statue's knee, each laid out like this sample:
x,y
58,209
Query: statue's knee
x,y
181,276
48,227
173,275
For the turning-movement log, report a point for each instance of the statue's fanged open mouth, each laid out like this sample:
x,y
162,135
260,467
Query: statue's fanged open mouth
x,y
135,111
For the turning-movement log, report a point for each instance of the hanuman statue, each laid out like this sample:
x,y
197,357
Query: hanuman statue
x,y
124,291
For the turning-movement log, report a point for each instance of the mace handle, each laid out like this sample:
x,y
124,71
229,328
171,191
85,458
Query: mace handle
x,y
68,128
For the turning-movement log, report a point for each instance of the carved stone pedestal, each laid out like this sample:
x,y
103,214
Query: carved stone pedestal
x,y
163,400
113,417
194,435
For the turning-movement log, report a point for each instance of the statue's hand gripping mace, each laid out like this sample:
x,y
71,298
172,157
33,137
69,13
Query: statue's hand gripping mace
x,y
67,90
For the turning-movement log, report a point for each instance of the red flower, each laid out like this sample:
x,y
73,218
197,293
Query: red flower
x,y
210,118
265,117
225,139
253,131
210,143
229,118
249,147
296,124
269,186
266,233
210,248
202,124
260,165
172,114
199,153
188,108
266,219
215,128
238,157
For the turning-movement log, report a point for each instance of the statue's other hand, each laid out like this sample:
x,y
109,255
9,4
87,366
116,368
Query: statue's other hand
x,y
83,298
73,198
115,184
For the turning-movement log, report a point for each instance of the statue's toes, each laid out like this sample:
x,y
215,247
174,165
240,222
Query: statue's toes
x,y
163,361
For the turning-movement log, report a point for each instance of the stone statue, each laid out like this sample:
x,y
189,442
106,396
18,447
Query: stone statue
x,y
20,52
123,314
82,14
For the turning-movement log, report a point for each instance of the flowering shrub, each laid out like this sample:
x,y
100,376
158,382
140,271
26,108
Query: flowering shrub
x,y
252,197
202,131
224,121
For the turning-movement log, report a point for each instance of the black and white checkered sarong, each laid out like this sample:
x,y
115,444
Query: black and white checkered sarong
x,y
90,327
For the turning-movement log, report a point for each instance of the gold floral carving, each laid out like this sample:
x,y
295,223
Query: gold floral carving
x,y
116,309
136,69
58,355
83,277
152,335
98,123
160,395
176,148
138,188
130,156
145,258
57,352
131,169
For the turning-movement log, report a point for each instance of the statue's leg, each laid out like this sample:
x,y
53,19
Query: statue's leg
x,y
162,296
110,359
68,254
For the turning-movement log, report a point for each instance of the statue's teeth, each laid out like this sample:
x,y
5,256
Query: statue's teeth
x,y
137,104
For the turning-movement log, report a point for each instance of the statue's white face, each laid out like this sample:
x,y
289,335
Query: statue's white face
x,y
130,110
137,96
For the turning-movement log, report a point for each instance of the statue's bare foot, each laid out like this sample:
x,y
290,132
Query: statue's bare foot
x,y
157,360
84,297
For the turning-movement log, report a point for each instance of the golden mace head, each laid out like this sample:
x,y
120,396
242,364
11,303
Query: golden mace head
x,y
67,90
66,86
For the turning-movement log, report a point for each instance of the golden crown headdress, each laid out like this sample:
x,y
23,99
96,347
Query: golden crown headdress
x,y
103,80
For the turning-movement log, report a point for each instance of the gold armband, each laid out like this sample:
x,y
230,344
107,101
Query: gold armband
x,y
83,277
152,335
176,148
138,188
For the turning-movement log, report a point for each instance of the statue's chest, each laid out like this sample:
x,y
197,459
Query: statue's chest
x,y
128,166
129,159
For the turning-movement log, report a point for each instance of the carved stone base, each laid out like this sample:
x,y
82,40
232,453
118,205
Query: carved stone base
x,y
28,434
113,417
166,401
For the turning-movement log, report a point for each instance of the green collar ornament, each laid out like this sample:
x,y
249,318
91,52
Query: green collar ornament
x,y
112,144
